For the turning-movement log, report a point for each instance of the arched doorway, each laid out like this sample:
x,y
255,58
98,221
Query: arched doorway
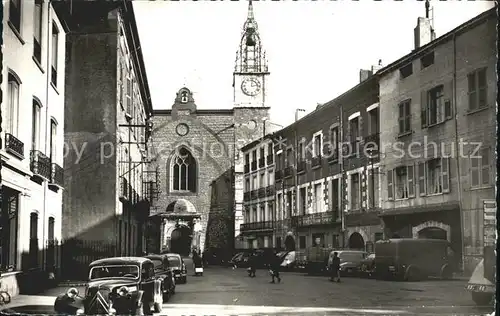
x,y
289,243
356,241
180,240
433,233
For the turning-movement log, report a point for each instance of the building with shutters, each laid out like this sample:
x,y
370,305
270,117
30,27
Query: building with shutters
x,y
437,105
256,231
32,149
107,117
325,193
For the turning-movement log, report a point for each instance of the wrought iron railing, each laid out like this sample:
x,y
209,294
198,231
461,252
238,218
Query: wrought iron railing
x,y
57,175
316,161
270,190
333,155
262,162
247,168
278,175
301,166
264,225
288,171
246,196
254,165
14,146
322,218
262,192
40,164
253,194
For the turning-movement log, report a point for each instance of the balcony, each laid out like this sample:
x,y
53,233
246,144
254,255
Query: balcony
x,y
14,146
270,190
278,175
124,189
262,162
270,159
333,155
246,196
256,226
57,176
301,166
246,168
323,218
254,165
150,189
288,171
316,162
40,165
253,194
262,193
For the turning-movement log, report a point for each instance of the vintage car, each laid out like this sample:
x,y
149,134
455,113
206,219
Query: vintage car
x,y
164,272
178,267
116,286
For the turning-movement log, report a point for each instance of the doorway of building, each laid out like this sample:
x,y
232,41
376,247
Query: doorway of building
x,y
433,233
180,241
289,243
356,241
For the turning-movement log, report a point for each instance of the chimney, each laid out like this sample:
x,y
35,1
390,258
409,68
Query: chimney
x,y
424,32
377,67
364,74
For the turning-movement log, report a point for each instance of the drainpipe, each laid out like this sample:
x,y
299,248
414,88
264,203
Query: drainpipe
x,y
457,154
47,121
342,182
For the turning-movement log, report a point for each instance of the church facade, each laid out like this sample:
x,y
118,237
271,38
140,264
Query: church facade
x,y
199,160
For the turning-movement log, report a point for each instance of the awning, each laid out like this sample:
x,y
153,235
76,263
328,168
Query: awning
x,y
438,207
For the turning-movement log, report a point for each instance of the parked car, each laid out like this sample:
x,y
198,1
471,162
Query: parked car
x,y
118,286
350,260
367,265
289,261
178,267
164,272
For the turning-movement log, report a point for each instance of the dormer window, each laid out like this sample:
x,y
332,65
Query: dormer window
x,y
184,97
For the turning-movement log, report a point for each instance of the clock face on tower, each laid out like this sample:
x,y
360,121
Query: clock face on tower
x,y
250,86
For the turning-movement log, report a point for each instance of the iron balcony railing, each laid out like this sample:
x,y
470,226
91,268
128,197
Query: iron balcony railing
x,y
246,196
301,166
333,155
263,225
40,164
262,193
270,159
247,169
270,190
14,146
322,218
278,175
57,177
288,171
253,194
316,161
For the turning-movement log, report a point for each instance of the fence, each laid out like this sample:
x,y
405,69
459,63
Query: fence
x,y
76,255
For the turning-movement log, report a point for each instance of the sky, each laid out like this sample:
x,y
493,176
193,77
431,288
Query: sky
x,y
315,48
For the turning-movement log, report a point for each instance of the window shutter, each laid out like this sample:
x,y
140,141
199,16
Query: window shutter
x,y
421,178
485,166
390,185
474,171
411,180
348,131
445,174
423,108
360,126
448,97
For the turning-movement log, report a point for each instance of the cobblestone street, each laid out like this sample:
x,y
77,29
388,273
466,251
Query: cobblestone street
x,y
224,291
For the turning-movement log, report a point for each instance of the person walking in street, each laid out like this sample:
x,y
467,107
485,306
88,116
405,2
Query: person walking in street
x,y
252,265
335,268
274,266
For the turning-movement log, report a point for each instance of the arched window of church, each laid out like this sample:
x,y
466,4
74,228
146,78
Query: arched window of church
x,y
184,97
183,171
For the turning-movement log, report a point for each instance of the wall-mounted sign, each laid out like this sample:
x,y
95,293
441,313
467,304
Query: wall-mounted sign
x,y
489,222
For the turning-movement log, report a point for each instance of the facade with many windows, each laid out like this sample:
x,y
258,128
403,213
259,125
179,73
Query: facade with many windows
x,y
258,201
33,142
108,109
437,106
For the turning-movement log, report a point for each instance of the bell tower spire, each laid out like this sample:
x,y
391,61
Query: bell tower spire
x,y
251,65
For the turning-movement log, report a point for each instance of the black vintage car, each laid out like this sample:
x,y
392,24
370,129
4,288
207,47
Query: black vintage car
x,y
178,267
164,271
116,286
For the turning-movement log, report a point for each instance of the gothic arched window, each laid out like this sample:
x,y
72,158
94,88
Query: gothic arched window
x,y
184,175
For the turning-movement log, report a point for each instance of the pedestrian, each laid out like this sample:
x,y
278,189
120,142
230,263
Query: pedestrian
x,y
335,268
274,266
252,262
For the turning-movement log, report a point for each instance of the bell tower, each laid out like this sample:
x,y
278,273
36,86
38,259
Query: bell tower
x,y
250,71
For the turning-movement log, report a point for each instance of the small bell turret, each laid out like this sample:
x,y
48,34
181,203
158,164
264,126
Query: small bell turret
x,y
250,36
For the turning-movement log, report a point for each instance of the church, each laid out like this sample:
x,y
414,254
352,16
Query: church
x,y
199,161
